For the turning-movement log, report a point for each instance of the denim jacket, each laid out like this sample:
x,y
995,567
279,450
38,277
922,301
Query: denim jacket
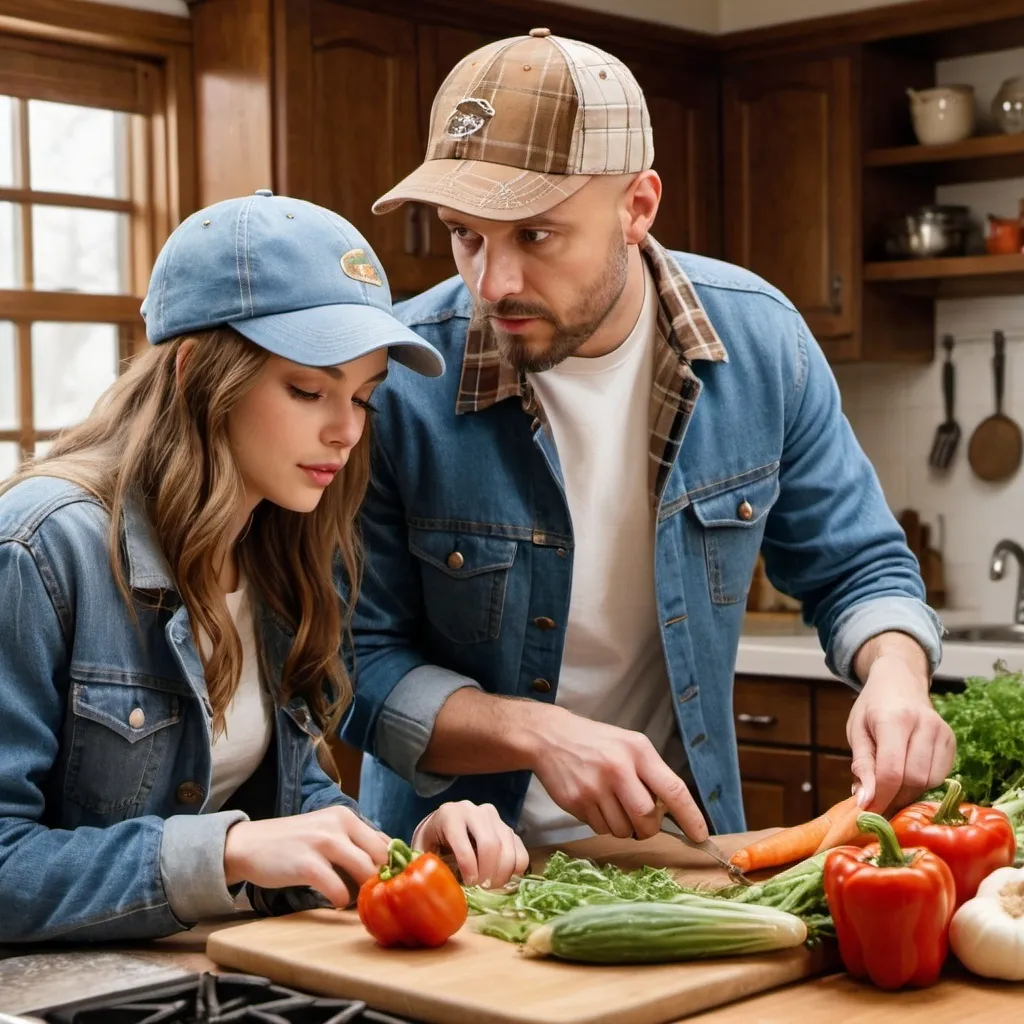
x,y
105,737
469,543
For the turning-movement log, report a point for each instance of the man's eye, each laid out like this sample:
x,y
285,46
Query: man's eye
x,y
464,234
535,235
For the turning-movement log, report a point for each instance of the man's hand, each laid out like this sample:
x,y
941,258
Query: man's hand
x,y
613,779
901,746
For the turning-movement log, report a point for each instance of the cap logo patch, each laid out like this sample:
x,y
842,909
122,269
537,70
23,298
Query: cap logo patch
x,y
468,117
356,264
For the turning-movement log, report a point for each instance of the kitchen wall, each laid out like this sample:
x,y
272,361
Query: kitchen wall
x,y
894,411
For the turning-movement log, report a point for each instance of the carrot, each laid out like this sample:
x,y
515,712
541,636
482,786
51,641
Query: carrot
x,y
800,841
843,830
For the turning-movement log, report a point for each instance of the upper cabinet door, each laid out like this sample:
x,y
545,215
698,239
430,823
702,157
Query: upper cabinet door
x,y
684,118
363,94
789,151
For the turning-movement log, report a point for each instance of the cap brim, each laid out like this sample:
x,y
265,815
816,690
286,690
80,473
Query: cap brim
x,y
478,189
330,335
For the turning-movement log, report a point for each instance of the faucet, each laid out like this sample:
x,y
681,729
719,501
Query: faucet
x,y
997,568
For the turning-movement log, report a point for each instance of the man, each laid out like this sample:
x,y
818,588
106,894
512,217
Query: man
x,y
560,533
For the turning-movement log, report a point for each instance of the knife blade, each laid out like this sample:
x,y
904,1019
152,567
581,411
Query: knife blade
x,y
709,846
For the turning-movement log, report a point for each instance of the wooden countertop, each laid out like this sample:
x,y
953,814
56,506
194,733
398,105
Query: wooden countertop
x,y
836,998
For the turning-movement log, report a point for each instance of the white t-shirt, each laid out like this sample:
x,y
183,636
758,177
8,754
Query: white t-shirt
x,y
248,721
613,665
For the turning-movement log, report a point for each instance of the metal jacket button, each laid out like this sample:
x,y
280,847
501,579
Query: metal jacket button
x,y
455,560
190,793
541,686
137,719
544,623
745,511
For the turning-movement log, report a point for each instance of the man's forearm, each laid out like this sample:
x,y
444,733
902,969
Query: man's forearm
x,y
893,645
479,733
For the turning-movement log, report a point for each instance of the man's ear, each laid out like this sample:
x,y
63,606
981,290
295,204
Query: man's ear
x,y
184,351
643,196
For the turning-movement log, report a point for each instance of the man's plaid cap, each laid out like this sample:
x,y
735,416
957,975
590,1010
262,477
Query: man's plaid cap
x,y
520,125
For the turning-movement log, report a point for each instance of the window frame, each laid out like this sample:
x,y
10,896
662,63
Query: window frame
x,y
115,58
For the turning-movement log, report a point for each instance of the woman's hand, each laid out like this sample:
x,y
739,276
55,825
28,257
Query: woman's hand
x,y
331,850
486,850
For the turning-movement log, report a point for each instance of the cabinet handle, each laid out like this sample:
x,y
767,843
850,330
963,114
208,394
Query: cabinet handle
x,y
412,229
837,293
805,787
765,720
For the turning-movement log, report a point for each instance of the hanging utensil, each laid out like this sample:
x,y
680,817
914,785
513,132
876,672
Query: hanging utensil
x,y
947,434
996,445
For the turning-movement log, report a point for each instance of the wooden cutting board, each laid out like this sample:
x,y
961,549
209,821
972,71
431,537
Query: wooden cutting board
x,y
474,979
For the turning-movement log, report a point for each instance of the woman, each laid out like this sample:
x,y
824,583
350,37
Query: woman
x,y
169,628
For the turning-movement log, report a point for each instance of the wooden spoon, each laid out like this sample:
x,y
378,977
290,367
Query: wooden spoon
x,y
996,444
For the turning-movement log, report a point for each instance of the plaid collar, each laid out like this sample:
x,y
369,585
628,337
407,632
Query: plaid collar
x,y
685,333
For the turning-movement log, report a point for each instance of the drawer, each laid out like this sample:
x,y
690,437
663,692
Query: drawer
x,y
832,706
770,710
776,785
835,780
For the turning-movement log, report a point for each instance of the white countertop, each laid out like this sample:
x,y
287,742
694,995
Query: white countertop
x,y
799,655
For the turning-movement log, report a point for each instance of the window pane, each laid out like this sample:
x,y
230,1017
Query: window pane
x,y
72,365
9,456
6,142
10,246
8,391
42,447
79,250
76,149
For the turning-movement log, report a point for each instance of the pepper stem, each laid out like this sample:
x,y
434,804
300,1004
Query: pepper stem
x,y
890,853
400,856
949,810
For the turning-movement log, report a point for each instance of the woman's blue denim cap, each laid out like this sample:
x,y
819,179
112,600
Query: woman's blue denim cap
x,y
294,278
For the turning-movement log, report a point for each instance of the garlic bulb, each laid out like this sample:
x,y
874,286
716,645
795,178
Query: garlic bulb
x,y
987,932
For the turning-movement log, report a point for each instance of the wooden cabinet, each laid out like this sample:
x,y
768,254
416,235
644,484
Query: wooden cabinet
x,y
330,101
789,144
793,753
777,786
684,113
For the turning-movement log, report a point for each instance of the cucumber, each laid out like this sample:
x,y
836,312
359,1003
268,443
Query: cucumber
x,y
645,933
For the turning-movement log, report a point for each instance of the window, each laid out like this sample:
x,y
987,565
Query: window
x,y
91,182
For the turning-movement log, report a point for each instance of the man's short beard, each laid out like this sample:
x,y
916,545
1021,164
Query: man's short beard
x,y
588,314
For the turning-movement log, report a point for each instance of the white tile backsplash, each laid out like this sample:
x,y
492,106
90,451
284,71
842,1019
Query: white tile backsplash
x,y
894,410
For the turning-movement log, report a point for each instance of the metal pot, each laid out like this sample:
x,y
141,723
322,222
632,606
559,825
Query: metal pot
x,y
931,232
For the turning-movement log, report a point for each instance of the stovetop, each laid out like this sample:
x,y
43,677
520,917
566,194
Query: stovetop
x,y
217,999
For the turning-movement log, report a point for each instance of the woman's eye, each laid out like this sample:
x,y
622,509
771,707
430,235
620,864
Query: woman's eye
x,y
364,403
305,396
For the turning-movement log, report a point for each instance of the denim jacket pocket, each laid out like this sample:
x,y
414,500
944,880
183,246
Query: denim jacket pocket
x,y
119,735
464,576
732,521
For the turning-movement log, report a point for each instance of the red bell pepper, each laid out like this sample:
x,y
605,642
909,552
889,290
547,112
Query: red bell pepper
x,y
414,900
891,908
974,841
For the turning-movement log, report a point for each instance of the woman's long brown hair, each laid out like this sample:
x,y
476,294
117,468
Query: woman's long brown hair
x,y
163,441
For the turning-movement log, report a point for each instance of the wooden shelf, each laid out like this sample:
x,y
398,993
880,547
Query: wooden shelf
x,y
954,277
982,158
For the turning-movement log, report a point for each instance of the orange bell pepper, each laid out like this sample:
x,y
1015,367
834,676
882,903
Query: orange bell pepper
x,y
414,900
974,841
891,908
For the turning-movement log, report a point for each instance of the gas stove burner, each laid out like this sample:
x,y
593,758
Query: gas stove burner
x,y
217,999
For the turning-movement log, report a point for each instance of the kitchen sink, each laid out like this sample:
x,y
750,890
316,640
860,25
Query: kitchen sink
x,y
1002,634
